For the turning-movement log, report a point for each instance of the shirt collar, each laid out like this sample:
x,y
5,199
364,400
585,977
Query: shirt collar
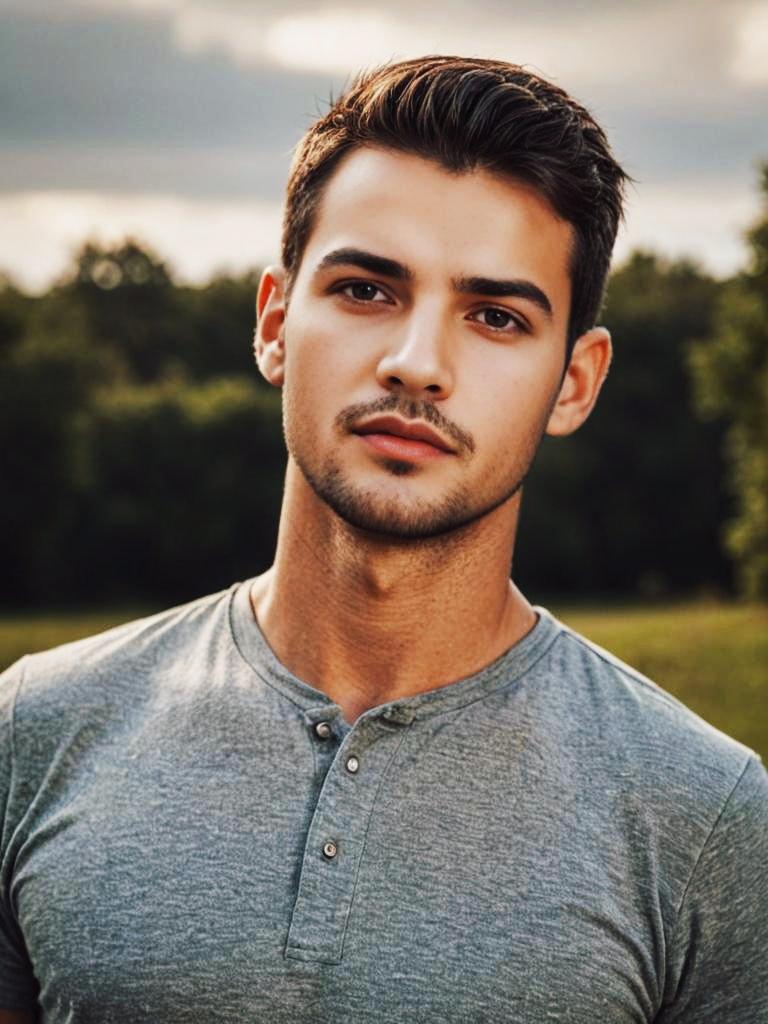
x,y
503,671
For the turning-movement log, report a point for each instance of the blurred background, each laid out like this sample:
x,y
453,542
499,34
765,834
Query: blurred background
x,y
144,146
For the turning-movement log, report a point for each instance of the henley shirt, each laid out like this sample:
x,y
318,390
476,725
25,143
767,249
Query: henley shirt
x,y
192,834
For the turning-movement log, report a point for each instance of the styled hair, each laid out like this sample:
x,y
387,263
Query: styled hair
x,y
470,114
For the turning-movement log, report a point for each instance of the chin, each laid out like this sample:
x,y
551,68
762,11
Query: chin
x,y
398,520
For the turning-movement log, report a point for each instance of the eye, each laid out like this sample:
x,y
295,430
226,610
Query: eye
x,y
499,319
363,291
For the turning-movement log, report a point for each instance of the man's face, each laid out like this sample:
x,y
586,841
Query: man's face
x,y
425,301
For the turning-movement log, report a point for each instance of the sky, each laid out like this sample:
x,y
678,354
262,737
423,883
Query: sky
x,y
173,121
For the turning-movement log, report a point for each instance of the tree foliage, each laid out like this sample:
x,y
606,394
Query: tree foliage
x,y
633,502
140,457
731,373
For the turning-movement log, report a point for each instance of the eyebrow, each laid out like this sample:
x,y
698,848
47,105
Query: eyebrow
x,y
516,289
492,287
366,261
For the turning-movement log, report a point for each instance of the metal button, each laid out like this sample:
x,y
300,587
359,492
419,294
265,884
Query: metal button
x,y
330,849
352,765
323,730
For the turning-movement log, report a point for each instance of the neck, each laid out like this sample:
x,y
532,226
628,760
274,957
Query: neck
x,y
367,619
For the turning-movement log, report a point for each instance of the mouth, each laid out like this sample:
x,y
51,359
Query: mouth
x,y
404,440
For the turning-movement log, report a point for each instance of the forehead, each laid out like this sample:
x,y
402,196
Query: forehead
x,y
441,223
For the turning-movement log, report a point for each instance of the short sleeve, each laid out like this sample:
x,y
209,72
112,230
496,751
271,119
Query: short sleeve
x,y
18,988
717,963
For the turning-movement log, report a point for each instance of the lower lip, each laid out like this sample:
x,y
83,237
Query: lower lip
x,y
404,448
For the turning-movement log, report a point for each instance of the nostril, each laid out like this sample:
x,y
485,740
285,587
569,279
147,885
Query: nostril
x,y
433,388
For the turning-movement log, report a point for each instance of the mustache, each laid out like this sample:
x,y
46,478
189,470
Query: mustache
x,y
408,409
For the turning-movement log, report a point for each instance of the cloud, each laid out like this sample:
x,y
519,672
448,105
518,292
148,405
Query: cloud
x,y
635,50
750,60
41,231
221,172
121,80
679,51
234,30
705,224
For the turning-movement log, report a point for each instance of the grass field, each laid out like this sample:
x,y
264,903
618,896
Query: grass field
x,y
713,657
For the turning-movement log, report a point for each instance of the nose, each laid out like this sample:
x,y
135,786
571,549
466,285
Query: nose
x,y
418,360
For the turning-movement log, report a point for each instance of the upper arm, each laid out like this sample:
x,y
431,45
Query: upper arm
x,y
17,984
717,963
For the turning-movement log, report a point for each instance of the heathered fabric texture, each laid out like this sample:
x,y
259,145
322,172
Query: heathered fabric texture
x,y
553,839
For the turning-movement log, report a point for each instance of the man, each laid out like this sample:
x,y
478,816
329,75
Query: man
x,y
375,784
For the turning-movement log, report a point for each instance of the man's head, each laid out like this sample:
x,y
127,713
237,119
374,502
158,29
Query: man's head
x,y
471,114
434,285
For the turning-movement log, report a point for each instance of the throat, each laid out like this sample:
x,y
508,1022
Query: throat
x,y
363,654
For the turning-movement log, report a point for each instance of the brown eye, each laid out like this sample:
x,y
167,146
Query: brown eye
x,y
497,318
362,291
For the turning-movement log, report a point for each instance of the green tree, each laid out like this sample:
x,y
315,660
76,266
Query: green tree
x,y
138,454
15,310
221,317
46,379
633,502
730,369
184,482
129,308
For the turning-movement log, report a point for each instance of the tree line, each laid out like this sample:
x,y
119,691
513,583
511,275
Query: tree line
x,y
142,457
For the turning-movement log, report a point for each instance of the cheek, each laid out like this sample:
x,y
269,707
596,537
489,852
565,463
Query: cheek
x,y
306,366
327,363
513,399
317,382
508,386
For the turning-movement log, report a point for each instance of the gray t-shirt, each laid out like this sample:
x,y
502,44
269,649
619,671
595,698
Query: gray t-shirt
x,y
190,833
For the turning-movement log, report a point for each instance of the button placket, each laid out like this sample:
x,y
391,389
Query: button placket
x,y
335,842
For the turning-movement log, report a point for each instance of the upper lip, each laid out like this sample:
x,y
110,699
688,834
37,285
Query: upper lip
x,y
411,429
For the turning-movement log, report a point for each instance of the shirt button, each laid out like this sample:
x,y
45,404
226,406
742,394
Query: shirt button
x,y
330,849
323,730
352,765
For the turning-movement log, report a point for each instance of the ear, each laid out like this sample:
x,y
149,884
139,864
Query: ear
x,y
584,376
269,336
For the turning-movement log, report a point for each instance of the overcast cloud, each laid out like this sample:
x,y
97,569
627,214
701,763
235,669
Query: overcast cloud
x,y
174,119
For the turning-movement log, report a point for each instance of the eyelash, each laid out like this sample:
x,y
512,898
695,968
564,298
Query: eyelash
x,y
515,321
519,325
344,285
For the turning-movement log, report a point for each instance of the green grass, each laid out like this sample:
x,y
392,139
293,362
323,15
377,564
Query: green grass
x,y
712,656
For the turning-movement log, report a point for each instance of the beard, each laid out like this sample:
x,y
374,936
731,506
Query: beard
x,y
367,510
415,519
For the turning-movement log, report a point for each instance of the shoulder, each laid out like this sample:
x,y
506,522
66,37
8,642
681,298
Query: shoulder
x,y
82,674
638,730
66,712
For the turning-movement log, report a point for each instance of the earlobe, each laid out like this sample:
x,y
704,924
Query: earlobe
x,y
269,336
584,377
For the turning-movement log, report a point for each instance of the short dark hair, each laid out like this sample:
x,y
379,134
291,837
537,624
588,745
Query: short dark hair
x,y
467,114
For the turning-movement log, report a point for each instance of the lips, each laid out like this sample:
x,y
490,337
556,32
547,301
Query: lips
x,y
383,426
